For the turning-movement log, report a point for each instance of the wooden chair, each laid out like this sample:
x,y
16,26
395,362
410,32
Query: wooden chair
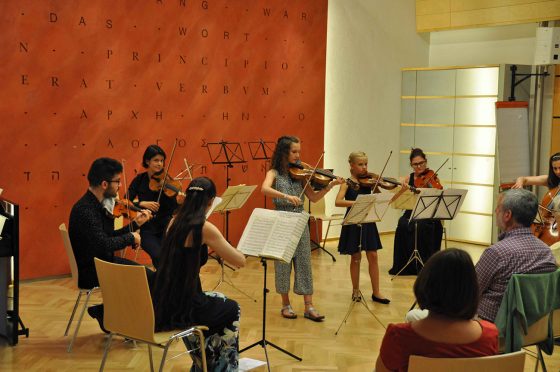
x,y
129,311
513,362
317,214
82,291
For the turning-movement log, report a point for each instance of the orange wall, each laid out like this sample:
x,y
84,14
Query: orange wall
x,y
85,79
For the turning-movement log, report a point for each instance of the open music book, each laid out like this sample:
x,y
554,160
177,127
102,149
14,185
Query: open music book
x,y
273,234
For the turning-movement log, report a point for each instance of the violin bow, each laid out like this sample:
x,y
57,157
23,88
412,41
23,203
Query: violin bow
x,y
403,189
167,171
435,173
382,170
312,173
187,170
126,197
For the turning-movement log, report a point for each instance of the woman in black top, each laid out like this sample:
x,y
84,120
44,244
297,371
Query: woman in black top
x,y
430,232
152,232
179,301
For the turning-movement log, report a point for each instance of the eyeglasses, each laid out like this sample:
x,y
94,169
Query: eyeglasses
x,y
115,181
419,164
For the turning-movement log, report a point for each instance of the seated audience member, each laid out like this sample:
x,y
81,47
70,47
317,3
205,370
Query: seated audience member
x,y
518,251
92,229
447,287
179,301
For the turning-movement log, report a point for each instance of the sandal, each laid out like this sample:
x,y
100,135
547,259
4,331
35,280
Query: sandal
x,y
313,314
287,312
356,295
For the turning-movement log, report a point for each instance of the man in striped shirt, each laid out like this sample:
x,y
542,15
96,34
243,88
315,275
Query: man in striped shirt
x,y
517,251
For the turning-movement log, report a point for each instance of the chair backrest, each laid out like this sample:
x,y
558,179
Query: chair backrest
x,y
555,248
556,323
69,252
513,362
127,301
318,208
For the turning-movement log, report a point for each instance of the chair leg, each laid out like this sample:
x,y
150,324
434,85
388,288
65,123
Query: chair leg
x,y
106,352
79,321
327,234
151,358
541,358
73,312
164,356
445,233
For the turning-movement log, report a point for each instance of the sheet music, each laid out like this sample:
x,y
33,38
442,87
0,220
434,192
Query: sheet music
x,y
2,222
407,200
273,234
359,210
286,235
215,203
379,208
235,197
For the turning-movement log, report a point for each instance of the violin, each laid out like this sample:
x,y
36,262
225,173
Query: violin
x,y
319,178
547,228
171,187
427,179
371,179
126,209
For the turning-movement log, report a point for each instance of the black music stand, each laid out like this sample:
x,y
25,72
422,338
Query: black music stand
x,y
263,341
227,153
261,150
433,204
367,208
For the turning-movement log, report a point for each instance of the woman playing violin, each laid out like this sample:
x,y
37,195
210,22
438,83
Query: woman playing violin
x,y
353,238
152,232
278,184
429,231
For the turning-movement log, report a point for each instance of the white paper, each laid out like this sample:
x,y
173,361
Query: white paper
x,y
247,364
235,197
380,206
217,200
2,222
273,234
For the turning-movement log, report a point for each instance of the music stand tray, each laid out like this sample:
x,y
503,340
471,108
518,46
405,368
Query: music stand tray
x,y
433,204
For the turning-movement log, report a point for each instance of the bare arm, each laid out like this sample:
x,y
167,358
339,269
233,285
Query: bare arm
x,y
215,240
531,180
268,190
315,196
340,201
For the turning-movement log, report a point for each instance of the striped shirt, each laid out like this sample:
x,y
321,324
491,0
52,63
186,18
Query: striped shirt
x,y
517,252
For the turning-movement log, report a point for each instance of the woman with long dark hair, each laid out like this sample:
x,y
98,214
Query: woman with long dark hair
x,y
179,301
286,193
152,232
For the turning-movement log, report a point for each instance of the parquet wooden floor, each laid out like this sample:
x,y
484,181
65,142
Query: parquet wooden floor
x,y
46,306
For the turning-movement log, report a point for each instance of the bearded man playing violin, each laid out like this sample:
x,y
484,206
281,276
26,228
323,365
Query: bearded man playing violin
x,y
91,227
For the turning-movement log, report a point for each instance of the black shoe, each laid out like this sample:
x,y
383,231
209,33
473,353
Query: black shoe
x,y
383,301
96,312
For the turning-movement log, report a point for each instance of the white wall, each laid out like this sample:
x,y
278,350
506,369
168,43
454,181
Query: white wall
x,y
368,42
492,45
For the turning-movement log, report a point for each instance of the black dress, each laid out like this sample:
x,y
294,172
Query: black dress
x,y
152,231
212,309
429,241
349,241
